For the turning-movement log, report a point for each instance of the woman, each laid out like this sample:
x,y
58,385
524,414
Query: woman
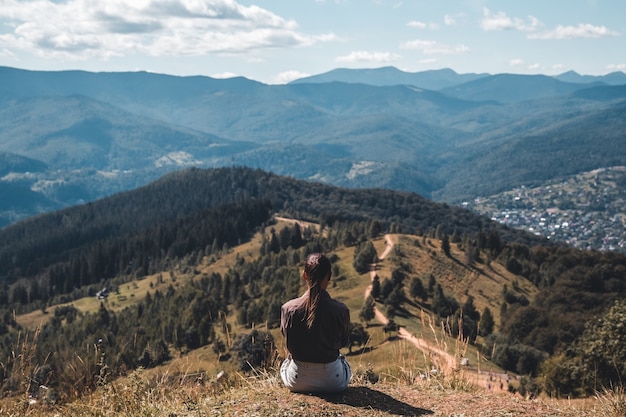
x,y
315,327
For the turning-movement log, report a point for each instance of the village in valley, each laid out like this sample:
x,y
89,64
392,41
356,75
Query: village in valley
x,y
585,211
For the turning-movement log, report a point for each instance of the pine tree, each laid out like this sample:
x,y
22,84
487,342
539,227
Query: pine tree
x,y
469,310
364,255
367,313
358,335
416,289
375,287
445,245
486,322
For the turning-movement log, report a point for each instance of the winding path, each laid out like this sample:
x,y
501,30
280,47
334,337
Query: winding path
x,y
439,356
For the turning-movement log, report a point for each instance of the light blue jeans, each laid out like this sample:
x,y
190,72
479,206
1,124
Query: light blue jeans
x,y
316,377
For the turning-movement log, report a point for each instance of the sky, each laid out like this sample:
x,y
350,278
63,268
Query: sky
x,y
277,41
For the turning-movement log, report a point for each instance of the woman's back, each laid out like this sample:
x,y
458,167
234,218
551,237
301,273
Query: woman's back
x,y
329,333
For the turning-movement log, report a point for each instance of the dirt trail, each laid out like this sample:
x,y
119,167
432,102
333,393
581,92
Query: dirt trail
x,y
441,358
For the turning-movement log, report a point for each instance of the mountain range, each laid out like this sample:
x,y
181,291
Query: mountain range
x,y
70,137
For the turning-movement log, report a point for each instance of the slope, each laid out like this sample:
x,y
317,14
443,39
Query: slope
x,y
575,143
80,132
484,284
507,88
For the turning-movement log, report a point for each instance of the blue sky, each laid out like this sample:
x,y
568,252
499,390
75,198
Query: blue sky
x,y
276,41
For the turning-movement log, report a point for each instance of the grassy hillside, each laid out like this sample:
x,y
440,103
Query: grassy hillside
x,y
198,269
483,283
392,375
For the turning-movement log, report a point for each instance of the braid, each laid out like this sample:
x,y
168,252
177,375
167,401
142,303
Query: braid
x,y
316,268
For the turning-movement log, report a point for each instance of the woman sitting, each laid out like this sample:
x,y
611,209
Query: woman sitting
x,y
315,327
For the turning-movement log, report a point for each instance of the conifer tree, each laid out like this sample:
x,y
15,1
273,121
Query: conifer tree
x,y
358,335
445,245
486,322
367,313
375,287
416,289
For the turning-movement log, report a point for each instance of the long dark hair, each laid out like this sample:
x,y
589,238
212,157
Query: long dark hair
x,y
316,268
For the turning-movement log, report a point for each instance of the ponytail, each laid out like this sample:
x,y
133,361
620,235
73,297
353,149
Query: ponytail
x,y
312,302
316,268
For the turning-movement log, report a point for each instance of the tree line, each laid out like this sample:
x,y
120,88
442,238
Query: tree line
x,y
46,259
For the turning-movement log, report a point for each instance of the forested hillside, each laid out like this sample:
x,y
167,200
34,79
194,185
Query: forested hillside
x,y
195,210
174,229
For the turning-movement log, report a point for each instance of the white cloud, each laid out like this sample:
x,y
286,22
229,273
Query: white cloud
x,y
288,76
435,48
224,75
103,29
325,37
449,20
500,21
366,56
518,62
5,52
583,30
616,67
422,25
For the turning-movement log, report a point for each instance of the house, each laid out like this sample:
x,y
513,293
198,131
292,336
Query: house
x,y
103,293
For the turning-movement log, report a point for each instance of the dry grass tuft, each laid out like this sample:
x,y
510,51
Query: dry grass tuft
x,y
261,393
611,403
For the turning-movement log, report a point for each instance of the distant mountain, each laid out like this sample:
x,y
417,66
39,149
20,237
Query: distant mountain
x,y
387,76
11,162
530,156
90,135
602,93
438,79
136,86
508,88
79,132
18,200
614,78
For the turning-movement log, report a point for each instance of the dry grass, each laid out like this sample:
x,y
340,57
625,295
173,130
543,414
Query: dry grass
x,y
611,403
262,394
404,384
